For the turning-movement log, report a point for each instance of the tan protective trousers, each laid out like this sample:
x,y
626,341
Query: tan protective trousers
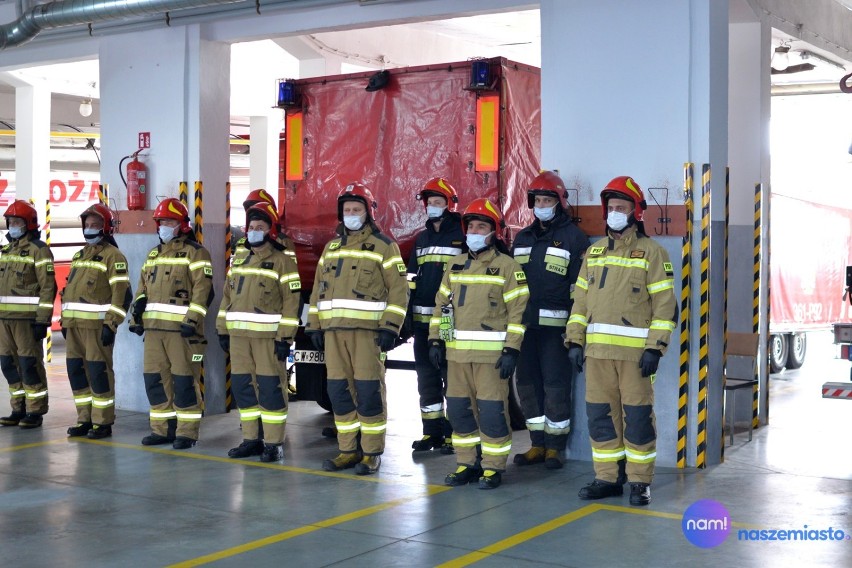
x,y
22,362
90,372
258,387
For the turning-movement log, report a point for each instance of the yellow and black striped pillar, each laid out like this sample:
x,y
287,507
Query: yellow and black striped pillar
x,y
704,317
685,291
103,193
229,398
48,351
183,194
199,236
725,305
755,297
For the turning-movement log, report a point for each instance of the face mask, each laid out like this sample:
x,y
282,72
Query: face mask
x,y
544,213
476,242
616,220
354,222
166,233
92,236
255,237
434,212
17,232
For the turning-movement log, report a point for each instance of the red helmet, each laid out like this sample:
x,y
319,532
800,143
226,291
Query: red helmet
x,y
104,213
442,188
22,209
482,209
264,212
357,192
625,187
172,208
257,196
549,184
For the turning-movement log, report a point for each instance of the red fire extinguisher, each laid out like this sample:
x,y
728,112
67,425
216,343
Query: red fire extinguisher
x,y
136,182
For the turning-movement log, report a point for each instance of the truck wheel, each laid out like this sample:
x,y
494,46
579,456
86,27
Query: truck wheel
x,y
777,353
798,346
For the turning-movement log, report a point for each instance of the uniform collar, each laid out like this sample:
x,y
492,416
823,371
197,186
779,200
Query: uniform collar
x,y
627,237
484,255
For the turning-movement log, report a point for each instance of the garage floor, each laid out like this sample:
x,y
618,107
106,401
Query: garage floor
x,y
116,503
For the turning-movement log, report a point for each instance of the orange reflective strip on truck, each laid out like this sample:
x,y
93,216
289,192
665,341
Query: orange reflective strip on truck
x,y
487,132
293,164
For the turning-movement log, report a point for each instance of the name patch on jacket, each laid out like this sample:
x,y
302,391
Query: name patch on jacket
x,y
550,267
637,254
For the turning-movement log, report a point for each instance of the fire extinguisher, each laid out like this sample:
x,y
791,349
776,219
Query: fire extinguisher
x,y
136,181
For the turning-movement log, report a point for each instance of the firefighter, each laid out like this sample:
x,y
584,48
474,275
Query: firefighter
x,y
477,329
259,196
624,313
94,303
27,292
175,290
434,247
357,309
257,322
550,252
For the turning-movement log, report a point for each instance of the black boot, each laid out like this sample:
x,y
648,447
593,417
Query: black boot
x,y
427,443
100,431
155,440
81,429
640,494
246,449
183,443
463,475
13,419
272,453
598,489
30,421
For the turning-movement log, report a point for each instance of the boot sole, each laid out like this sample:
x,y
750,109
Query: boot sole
x,y
598,497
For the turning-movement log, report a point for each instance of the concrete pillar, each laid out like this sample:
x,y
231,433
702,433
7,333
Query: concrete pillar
x,y
263,158
175,85
638,89
32,144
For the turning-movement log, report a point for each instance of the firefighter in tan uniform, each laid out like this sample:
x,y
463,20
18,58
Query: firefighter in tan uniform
x,y
356,311
27,291
477,329
256,323
175,290
624,313
94,303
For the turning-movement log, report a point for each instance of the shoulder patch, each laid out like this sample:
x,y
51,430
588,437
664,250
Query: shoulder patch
x,y
597,250
667,266
334,245
77,255
208,271
120,267
637,254
401,267
153,253
239,261
295,285
49,268
520,276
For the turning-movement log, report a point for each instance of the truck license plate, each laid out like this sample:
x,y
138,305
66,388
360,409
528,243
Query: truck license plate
x,y
308,356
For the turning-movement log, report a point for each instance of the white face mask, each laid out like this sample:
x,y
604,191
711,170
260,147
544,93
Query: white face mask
x,y
544,213
255,237
166,233
354,222
616,220
476,242
17,232
92,236
434,212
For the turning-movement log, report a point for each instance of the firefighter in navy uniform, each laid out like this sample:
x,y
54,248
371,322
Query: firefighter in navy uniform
x,y
356,312
434,247
256,323
550,252
27,292
175,290
94,303
477,328
624,313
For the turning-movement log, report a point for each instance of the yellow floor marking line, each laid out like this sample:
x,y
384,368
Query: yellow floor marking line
x,y
249,546
534,532
32,445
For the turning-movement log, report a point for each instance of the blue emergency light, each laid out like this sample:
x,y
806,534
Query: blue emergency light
x,y
286,93
480,74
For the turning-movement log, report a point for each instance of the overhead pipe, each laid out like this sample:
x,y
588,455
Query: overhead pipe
x,y
77,12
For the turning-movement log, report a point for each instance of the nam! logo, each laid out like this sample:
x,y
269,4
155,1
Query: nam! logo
x,y
706,523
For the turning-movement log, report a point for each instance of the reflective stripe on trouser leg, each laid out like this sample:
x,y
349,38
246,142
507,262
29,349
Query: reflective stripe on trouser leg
x,y
244,387
158,381
492,399
640,434
461,408
603,408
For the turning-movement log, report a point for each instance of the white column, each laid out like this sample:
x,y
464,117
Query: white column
x,y
265,132
32,144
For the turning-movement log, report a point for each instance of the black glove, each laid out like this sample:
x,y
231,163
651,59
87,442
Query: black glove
x,y
136,328
386,340
138,309
225,342
650,361
507,362
282,350
437,353
187,330
39,331
64,331
406,332
107,336
575,355
317,339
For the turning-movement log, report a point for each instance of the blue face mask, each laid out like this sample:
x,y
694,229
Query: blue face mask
x,y
166,233
92,236
477,242
255,237
544,213
16,232
434,212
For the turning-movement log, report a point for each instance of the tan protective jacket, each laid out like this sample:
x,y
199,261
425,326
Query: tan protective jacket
x,y
27,280
98,289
